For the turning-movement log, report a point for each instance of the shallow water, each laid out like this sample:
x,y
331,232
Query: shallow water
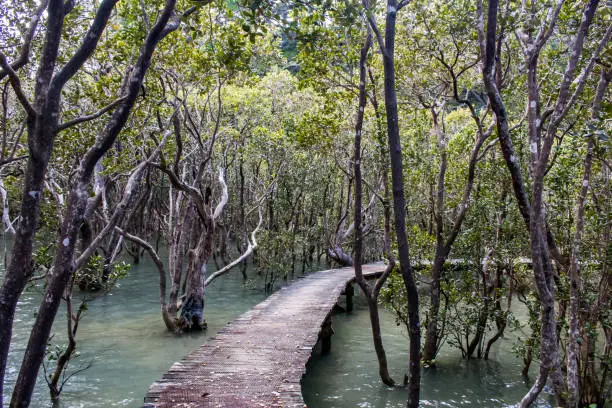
x,y
348,376
123,337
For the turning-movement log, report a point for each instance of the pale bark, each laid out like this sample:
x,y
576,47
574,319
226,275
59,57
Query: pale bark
x,y
6,218
169,320
251,246
541,241
121,208
573,349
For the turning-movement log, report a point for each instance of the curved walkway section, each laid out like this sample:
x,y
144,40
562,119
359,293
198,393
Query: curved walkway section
x,y
258,359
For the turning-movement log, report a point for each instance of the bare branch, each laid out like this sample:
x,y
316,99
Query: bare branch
x,y
252,244
87,118
224,195
121,208
351,227
16,84
145,16
177,183
178,17
372,21
463,207
402,4
481,31
575,54
160,268
544,35
24,55
487,148
586,72
11,160
5,209
87,47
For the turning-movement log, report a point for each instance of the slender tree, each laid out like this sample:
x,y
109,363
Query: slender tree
x,y
371,291
387,49
63,267
42,119
541,141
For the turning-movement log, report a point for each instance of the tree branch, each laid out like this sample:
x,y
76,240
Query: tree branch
x,y
586,72
81,119
107,136
372,21
544,35
88,46
24,55
463,207
121,208
160,268
402,4
252,244
224,195
16,84
575,53
11,160
5,209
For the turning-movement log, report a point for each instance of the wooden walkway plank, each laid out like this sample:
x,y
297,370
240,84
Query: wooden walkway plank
x,y
258,359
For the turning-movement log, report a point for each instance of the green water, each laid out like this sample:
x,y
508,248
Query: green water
x,y
348,376
124,339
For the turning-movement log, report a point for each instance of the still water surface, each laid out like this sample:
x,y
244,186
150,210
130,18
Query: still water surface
x,y
124,339
348,376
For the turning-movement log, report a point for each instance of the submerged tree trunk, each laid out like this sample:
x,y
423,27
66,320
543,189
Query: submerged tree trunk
x,y
432,336
241,243
541,141
483,315
501,316
192,311
387,48
181,217
169,320
370,292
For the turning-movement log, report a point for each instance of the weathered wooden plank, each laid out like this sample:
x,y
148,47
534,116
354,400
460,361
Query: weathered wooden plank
x,y
258,359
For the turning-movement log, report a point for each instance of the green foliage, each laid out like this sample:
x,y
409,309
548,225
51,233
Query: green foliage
x,y
91,277
43,257
393,297
421,243
276,84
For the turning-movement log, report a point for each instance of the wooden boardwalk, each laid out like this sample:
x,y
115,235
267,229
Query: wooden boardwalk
x,y
258,359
